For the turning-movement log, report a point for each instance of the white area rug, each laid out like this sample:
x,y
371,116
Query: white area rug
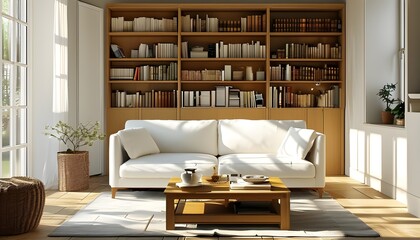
x,y
142,213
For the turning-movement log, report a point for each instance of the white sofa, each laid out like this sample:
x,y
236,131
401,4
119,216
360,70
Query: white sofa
x,y
164,148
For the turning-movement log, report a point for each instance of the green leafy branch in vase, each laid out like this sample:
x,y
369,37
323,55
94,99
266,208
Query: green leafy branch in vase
x,y
74,138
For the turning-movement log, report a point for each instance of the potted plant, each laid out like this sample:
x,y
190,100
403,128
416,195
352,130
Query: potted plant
x,y
399,113
73,164
385,94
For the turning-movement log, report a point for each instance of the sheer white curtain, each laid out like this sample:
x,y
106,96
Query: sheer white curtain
x,y
60,84
60,103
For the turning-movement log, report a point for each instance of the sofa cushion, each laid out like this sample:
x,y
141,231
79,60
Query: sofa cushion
x,y
297,143
178,136
266,164
137,142
253,136
167,165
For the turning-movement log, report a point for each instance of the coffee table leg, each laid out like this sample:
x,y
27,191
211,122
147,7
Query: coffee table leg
x,y
285,213
170,212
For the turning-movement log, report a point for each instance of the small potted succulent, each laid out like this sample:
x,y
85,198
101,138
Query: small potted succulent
x,y
73,164
385,94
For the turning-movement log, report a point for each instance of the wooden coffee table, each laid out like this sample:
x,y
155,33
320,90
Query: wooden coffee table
x,y
211,204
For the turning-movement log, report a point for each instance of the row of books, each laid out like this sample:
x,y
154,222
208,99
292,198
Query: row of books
x,y
226,74
287,72
283,96
250,23
149,99
304,50
222,96
144,24
158,50
160,72
121,74
228,50
205,75
306,25
330,98
196,24
226,96
146,72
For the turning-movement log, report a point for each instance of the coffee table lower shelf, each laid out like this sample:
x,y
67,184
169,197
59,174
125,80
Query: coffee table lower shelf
x,y
211,204
218,212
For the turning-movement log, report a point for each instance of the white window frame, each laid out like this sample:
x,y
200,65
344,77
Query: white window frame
x,y
17,166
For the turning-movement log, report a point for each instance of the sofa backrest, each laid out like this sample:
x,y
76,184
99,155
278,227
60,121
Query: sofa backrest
x,y
253,136
178,136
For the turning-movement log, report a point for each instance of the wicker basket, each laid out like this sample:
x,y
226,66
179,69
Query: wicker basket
x,y
73,171
22,201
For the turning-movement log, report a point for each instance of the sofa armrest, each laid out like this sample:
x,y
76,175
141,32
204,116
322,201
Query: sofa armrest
x,y
317,155
116,158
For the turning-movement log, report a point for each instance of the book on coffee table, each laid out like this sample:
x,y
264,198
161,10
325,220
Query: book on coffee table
x,y
241,184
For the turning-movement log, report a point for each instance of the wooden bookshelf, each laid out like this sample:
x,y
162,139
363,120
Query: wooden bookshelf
x,y
314,30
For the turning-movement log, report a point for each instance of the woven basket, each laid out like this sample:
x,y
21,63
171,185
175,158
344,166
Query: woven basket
x,y
73,171
22,201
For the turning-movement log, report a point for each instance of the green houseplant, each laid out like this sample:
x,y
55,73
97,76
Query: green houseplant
x,y
399,113
385,94
73,164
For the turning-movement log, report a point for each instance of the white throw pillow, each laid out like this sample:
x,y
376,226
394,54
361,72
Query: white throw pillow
x,y
297,142
137,142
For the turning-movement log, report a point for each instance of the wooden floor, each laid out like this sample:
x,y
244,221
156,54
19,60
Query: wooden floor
x,y
386,216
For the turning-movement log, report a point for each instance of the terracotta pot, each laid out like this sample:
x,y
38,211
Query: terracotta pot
x,y
387,117
73,171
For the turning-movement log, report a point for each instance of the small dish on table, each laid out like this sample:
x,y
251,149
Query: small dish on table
x,y
255,178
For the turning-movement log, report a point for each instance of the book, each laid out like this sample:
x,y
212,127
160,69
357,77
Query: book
x,y
205,99
199,54
234,97
228,72
117,51
220,96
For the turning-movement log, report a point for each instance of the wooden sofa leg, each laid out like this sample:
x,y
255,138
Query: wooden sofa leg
x,y
320,192
113,192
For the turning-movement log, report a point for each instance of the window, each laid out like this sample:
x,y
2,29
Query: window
x,y
14,68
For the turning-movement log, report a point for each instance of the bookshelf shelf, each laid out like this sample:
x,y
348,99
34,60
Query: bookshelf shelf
x,y
224,82
265,34
223,59
304,60
143,59
224,34
305,82
306,34
143,82
142,34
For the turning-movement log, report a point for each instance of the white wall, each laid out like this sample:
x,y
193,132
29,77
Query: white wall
x,y
375,154
91,77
